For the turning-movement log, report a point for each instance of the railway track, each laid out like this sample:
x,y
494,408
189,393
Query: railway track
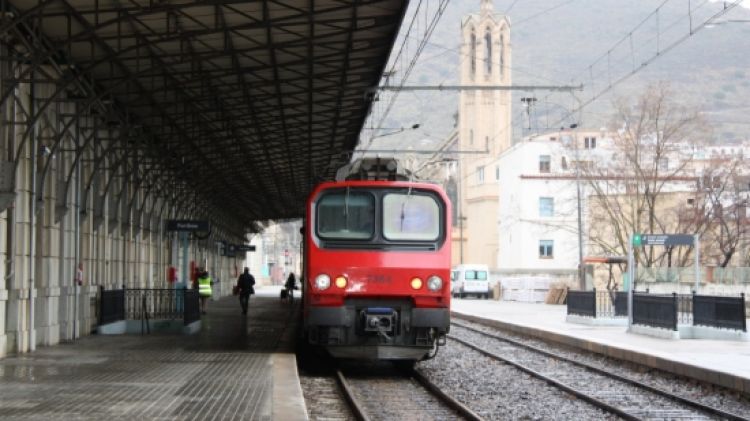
x,y
625,397
404,396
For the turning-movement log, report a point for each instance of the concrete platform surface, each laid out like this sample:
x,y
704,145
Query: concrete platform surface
x,y
237,367
726,363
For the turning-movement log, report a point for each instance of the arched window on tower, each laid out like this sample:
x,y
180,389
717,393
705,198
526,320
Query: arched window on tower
x,y
471,136
473,56
488,50
500,54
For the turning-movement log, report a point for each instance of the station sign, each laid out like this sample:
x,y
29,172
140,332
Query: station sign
x,y
182,225
228,249
245,247
663,240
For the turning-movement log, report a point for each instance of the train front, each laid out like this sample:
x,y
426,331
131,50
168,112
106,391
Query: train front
x,y
377,269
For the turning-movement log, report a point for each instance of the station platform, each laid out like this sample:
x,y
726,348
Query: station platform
x,y
237,367
725,363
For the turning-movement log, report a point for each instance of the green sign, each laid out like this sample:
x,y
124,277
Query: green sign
x,y
663,240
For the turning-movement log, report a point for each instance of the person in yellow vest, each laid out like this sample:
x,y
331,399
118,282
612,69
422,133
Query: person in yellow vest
x,y
204,289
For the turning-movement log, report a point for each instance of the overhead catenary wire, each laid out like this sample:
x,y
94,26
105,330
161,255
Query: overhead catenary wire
x,y
693,28
429,29
623,52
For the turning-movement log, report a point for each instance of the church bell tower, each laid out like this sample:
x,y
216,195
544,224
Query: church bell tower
x,y
484,129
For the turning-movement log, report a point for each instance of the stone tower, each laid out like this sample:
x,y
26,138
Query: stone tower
x,y
484,126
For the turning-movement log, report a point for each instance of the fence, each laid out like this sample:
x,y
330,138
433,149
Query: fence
x,y
154,303
621,304
660,310
582,303
146,304
111,306
722,312
685,308
192,306
655,310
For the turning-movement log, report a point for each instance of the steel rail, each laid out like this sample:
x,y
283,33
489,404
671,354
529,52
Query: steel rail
x,y
653,389
354,405
361,415
588,398
449,400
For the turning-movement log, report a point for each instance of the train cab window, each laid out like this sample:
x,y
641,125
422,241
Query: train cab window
x,y
346,215
414,217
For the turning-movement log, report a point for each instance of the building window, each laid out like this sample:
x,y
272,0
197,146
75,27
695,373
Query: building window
x,y
471,137
500,53
546,249
497,173
544,163
663,164
473,54
564,163
488,58
480,174
691,201
589,142
486,143
546,206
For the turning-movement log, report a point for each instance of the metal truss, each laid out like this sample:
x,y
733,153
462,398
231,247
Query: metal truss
x,y
224,109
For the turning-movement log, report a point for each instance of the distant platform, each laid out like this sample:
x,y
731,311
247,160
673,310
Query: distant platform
x,y
725,363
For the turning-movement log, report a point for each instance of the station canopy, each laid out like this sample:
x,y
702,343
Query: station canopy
x,y
251,102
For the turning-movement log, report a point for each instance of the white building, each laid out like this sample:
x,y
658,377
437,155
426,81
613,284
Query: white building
x,y
538,204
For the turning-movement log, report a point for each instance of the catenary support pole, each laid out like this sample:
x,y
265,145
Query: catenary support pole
x,y
696,246
631,280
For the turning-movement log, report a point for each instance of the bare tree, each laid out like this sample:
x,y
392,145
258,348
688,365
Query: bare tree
x,y
724,188
640,183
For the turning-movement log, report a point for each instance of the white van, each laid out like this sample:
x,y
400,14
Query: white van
x,y
470,280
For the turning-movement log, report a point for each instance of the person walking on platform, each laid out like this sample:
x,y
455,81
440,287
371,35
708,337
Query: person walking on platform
x,y
245,288
204,289
291,285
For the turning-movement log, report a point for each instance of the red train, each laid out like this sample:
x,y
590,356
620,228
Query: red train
x,y
377,267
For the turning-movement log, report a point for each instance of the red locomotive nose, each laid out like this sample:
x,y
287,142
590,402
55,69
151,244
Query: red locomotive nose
x,y
377,254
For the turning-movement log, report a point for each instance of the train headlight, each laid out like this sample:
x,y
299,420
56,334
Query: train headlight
x,y
322,281
416,283
434,283
340,282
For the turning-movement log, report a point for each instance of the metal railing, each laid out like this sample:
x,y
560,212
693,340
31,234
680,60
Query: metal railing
x,y
662,310
685,308
148,304
621,304
655,310
154,303
722,312
192,306
582,303
111,306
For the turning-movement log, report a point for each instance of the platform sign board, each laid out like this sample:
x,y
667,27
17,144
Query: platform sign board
x,y
245,248
663,240
228,249
187,225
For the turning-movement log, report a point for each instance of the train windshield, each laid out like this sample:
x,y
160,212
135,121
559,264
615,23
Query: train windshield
x,y
412,216
346,215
